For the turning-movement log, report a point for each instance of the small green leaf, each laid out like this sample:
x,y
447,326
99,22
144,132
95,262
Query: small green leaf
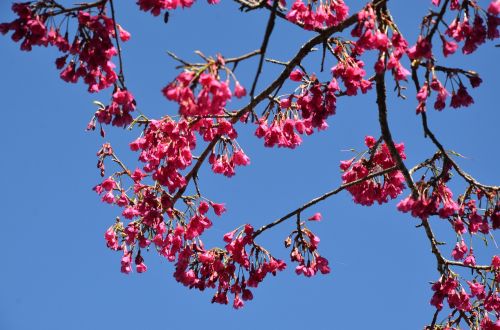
x,y
456,154
102,106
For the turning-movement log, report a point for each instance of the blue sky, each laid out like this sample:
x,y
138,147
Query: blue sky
x,y
56,272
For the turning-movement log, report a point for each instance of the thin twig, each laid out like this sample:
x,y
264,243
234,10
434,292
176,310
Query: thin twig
x,y
117,40
78,8
450,70
467,177
263,47
434,319
177,58
242,57
321,198
438,19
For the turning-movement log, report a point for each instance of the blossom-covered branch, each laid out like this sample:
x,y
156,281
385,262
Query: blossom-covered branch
x,y
161,200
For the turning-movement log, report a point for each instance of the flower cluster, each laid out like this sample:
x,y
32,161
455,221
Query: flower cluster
x,y
370,37
299,114
91,50
373,190
233,270
325,14
472,34
434,199
30,27
476,299
157,6
166,149
305,250
351,72
118,112
471,217
459,97
421,50
447,287
94,50
211,98
225,160
202,97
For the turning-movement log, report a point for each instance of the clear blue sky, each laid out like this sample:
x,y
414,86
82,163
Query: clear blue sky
x,y
57,274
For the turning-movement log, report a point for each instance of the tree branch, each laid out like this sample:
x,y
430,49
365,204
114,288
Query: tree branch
x,y
339,189
321,198
428,133
439,18
78,8
386,133
301,54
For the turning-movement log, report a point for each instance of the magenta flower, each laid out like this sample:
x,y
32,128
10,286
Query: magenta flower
x,y
296,75
218,208
239,91
494,7
315,217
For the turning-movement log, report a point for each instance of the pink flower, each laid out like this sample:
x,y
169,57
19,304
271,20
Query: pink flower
x,y
313,239
248,230
470,260
139,263
370,141
475,81
459,226
400,72
111,239
494,7
239,158
126,262
141,268
228,237
476,289
454,5
423,93
322,265
315,217
124,35
449,47
237,303
218,208
285,103
144,242
345,164
122,97
123,200
206,258
422,48
138,175
203,207
108,197
130,212
296,75
247,295
495,262
239,91
61,62
459,251
461,98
